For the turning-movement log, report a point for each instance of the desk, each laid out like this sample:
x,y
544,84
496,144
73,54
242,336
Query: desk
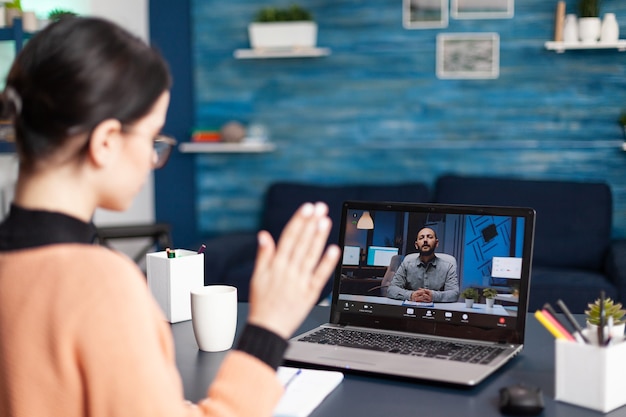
x,y
372,396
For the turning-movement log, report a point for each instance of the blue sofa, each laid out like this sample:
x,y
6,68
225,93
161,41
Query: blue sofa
x,y
574,256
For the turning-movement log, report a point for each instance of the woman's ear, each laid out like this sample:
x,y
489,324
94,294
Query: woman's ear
x,y
106,142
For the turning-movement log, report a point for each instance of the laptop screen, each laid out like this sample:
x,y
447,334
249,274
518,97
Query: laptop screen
x,y
392,281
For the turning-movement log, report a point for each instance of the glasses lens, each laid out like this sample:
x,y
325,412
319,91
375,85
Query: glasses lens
x,y
163,147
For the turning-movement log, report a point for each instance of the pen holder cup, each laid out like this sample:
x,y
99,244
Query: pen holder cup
x,y
171,281
590,376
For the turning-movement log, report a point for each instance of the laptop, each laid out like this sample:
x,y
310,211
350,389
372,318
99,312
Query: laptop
x,y
373,330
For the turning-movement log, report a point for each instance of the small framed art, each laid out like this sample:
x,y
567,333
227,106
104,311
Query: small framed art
x,y
424,14
482,9
468,55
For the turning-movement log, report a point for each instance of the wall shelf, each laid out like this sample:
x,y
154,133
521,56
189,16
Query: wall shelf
x,y
560,47
281,53
220,147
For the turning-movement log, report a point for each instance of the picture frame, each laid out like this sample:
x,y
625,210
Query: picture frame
x,y
424,14
482,9
468,55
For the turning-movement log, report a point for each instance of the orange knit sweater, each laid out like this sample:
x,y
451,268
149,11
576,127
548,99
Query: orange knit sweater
x,y
80,335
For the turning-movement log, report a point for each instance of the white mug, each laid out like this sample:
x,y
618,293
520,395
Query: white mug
x,y
214,317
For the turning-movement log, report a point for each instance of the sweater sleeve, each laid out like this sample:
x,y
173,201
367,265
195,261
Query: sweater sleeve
x,y
126,353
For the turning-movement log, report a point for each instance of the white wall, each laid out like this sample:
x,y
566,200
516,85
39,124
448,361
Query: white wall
x,y
133,15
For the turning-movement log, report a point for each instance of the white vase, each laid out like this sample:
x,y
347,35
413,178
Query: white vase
x,y
570,29
29,22
589,29
609,32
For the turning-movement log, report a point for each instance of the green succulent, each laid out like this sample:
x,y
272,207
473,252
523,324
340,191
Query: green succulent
x,y
611,309
470,293
57,14
292,13
490,292
589,8
15,4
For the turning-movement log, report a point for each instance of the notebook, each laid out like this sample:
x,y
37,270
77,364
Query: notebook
x,y
374,329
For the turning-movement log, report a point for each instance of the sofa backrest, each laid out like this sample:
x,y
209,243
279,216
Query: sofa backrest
x,y
573,226
283,198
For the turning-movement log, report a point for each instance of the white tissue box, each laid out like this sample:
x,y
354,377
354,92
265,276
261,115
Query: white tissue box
x,y
590,376
171,280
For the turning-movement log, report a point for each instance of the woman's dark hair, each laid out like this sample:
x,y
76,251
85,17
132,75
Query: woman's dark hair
x,y
72,76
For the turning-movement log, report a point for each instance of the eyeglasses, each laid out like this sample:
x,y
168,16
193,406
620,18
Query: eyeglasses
x,y
162,146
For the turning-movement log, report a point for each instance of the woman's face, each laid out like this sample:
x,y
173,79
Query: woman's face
x,y
137,157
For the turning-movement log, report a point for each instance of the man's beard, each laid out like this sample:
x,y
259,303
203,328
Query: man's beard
x,y
427,252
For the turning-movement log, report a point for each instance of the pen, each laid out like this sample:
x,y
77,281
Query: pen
x,y
548,325
602,320
609,330
202,248
293,377
170,253
572,320
552,319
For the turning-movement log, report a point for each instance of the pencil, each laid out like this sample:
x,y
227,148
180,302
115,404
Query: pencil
x,y
552,319
572,320
549,326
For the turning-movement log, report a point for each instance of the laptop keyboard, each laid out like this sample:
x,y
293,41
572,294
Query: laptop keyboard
x,y
402,345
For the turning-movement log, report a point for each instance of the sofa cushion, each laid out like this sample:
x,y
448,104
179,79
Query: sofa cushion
x,y
283,198
576,287
573,226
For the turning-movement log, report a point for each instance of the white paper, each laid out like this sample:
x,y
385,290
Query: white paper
x,y
305,390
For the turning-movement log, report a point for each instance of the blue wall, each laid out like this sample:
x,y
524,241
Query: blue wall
x,y
374,111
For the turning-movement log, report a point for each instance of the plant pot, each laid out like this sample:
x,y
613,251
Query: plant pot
x,y
589,29
617,333
282,35
469,302
490,302
12,13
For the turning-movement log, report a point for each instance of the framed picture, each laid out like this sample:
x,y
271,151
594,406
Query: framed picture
x,y
482,9
468,55
424,14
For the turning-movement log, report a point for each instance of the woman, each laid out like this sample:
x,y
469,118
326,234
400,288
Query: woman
x,y
80,334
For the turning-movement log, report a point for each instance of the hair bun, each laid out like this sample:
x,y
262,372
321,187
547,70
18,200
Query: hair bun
x,y
10,104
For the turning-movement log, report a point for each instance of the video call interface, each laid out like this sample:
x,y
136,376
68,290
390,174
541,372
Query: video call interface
x,y
488,251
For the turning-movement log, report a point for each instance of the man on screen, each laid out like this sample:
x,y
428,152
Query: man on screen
x,y
424,276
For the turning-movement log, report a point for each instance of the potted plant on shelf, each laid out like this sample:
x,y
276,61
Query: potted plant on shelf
x,y
13,9
471,295
283,28
589,24
58,14
611,309
490,296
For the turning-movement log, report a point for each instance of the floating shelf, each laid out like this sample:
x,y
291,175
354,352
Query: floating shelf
x,y
564,46
281,53
219,147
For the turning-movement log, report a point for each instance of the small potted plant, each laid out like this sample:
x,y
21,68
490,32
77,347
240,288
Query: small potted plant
x,y
490,296
283,28
471,295
611,309
589,23
13,9
58,14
